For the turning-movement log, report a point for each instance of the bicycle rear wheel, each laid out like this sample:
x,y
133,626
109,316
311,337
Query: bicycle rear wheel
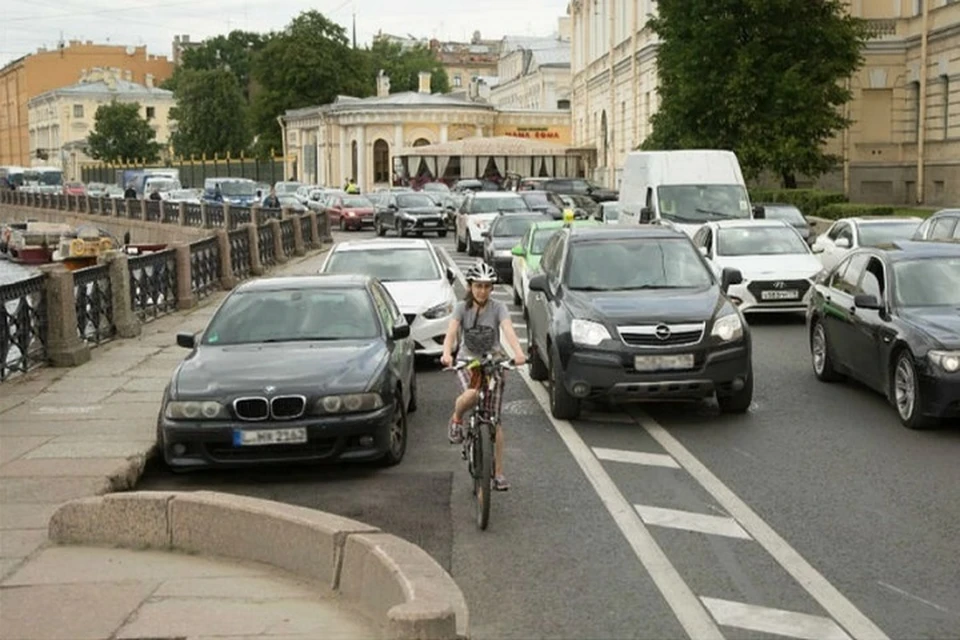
x,y
483,473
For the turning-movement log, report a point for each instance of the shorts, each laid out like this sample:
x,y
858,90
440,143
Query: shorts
x,y
470,379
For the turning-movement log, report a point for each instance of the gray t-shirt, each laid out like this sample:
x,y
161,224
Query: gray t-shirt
x,y
494,313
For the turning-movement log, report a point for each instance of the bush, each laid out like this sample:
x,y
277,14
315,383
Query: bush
x,y
850,210
809,201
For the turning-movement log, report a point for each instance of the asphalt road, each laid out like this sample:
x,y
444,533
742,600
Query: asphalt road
x,y
815,516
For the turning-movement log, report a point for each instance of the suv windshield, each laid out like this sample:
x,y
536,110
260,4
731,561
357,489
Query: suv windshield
x,y
238,188
357,202
702,203
512,225
388,265
293,316
492,205
759,241
876,233
414,200
643,263
788,214
931,282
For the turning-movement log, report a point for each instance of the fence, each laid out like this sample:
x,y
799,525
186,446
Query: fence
x,y
194,172
58,316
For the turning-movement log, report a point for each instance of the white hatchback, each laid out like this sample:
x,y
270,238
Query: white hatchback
x,y
419,276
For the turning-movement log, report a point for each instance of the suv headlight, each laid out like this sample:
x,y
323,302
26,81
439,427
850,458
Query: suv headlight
x,y
195,410
949,361
588,332
348,403
728,328
438,311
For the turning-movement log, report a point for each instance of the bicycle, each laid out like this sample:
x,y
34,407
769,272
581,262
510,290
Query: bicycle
x,y
479,442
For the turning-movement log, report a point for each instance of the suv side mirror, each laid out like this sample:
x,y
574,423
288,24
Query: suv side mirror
x,y
400,331
485,234
842,243
518,251
538,283
866,301
759,213
451,276
187,340
646,214
730,276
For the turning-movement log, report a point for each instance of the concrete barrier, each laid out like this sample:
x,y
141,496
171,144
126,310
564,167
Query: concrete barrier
x,y
391,580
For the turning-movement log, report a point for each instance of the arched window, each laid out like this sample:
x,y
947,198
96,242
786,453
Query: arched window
x,y
421,142
354,169
381,161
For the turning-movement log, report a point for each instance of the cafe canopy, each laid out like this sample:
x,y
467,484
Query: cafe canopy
x,y
490,156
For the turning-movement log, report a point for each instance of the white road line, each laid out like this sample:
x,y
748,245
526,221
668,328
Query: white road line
x,y
690,612
907,594
829,597
636,457
690,521
775,621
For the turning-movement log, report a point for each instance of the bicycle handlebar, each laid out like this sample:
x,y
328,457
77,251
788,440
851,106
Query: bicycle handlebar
x,y
507,364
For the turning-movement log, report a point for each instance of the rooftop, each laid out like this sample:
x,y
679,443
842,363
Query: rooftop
x,y
916,249
292,283
621,232
488,146
118,87
405,99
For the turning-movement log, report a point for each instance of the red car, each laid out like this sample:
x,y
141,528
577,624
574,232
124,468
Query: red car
x,y
74,189
350,212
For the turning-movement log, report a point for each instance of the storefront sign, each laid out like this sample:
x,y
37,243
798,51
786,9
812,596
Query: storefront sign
x,y
535,133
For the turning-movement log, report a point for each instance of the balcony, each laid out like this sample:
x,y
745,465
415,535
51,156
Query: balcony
x,y
880,28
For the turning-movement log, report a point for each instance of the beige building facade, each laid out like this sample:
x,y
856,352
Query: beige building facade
x,y
533,73
59,121
904,144
360,138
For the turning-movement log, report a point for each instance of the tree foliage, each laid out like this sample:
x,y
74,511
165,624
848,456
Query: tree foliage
x,y
120,134
760,77
233,52
211,114
404,67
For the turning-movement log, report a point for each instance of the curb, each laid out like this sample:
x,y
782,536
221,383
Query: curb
x,y
396,583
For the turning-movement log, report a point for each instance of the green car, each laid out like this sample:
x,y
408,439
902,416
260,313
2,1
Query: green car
x,y
526,255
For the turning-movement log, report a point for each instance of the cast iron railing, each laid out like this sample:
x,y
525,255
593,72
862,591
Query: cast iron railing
x,y
153,284
268,250
286,236
93,294
240,253
23,326
205,266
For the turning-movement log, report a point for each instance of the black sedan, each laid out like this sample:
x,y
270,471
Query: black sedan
x,y
888,317
293,370
410,212
503,235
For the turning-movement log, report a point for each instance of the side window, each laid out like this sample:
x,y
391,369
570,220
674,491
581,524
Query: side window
x,y
873,282
956,230
848,283
649,201
700,238
837,277
551,255
846,232
834,233
923,231
383,309
525,242
943,228
708,241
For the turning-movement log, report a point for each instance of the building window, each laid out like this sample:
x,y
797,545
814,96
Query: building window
x,y
915,97
151,113
457,81
946,106
381,161
563,104
78,111
421,142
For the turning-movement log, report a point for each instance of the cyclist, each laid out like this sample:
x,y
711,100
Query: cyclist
x,y
475,326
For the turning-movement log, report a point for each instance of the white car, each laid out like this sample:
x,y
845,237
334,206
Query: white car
x,y
778,266
417,274
479,208
848,234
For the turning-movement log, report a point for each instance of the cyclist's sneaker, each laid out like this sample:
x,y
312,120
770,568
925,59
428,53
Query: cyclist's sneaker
x,y
455,433
500,483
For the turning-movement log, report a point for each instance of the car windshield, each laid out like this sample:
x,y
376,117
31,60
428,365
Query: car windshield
x,y
534,199
788,214
436,186
513,226
540,240
238,188
289,201
357,202
407,200
611,211
759,241
876,233
293,315
930,282
620,265
287,187
702,203
388,265
492,205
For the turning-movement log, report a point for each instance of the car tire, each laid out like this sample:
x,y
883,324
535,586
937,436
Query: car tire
x,y
538,368
471,250
343,224
461,245
442,234
563,406
397,445
738,401
378,227
905,392
399,228
412,405
516,295
820,354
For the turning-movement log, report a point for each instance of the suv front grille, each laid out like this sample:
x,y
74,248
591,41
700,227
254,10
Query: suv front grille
x,y
662,335
287,407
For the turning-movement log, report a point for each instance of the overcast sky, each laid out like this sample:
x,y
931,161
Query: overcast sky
x,y
29,24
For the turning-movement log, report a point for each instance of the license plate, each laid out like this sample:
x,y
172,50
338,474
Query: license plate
x,y
789,294
248,438
663,363
430,224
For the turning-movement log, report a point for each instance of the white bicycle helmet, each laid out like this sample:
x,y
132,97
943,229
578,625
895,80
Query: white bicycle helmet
x,y
481,272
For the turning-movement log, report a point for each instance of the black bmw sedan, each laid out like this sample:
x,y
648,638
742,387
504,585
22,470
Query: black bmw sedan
x,y
890,318
293,369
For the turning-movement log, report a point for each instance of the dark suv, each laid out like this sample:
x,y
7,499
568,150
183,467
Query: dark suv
x,y
635,314
580,187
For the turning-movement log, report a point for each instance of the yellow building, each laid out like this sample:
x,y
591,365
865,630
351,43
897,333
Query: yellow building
x,y
31,75
891,154
59,121
463,61
359,138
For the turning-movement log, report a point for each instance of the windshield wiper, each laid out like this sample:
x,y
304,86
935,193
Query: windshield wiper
x,y
310,339
719,214
648,286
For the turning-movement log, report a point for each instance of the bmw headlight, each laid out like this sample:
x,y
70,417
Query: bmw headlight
x,y
728,328
195,410
949,361
588,332
348,403
438,311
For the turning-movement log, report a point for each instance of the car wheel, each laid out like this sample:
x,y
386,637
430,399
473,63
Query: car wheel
x,y
906,392
461,246
820,354
397,445
442,234
563,406
471,251
343,224
516,294
738,401
412,405
401,230
379,227
538,369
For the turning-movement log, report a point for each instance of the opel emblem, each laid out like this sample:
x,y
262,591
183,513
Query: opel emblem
x,y
662,331
779,285
269,389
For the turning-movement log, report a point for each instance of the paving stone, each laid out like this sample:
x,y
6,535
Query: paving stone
x,y
247,587
90,383
128,397
70,395
156,385
144,426
34,489
91,467
27,515
17,543
12,447
91,449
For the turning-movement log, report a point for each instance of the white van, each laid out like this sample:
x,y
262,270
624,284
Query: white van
x,y
684,189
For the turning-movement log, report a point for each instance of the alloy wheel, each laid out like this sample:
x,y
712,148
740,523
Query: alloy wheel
x,y
819,348
905,387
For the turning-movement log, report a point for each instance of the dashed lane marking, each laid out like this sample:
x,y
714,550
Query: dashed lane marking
x,y
776,621
636,457
690,521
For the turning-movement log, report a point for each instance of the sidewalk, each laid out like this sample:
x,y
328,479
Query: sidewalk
x,y
80,432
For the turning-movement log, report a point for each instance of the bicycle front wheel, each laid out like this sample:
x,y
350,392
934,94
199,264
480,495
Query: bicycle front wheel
x,y
483,474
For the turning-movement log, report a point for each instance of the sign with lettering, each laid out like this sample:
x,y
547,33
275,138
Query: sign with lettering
x,y
533,133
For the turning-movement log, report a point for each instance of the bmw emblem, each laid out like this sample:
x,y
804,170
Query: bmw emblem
x,y
269,389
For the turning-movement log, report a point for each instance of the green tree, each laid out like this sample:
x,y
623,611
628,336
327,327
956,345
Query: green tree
x,y
120,134
404,67
760,77
308,63
233,52
211,114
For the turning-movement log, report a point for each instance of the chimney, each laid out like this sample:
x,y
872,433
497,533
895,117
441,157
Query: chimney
x,y
383,84
149,80
425,81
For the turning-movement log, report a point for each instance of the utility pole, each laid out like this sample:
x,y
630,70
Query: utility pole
x,y
354,28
